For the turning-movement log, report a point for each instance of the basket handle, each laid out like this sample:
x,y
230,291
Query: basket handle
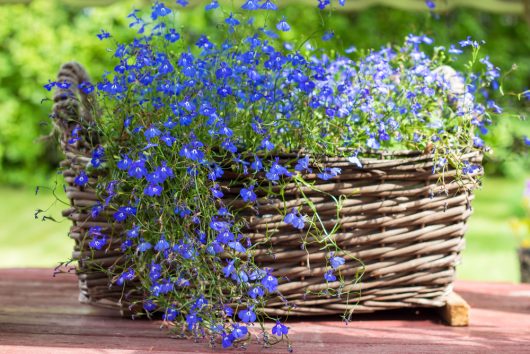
x,y
72,106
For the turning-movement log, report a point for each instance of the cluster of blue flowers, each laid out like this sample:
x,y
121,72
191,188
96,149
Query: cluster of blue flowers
x,y
184,116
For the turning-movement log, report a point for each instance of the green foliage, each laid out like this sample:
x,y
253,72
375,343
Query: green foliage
x,y
35,39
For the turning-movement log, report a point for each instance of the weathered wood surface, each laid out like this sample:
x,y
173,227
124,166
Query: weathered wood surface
x,y
456,311
40,314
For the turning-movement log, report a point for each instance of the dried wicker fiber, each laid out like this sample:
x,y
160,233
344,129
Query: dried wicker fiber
x,y
393,219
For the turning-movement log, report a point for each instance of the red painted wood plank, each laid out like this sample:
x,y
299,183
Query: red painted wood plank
x,y
40,313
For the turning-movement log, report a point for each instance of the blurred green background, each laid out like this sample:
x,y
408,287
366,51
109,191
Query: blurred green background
x,y
37,36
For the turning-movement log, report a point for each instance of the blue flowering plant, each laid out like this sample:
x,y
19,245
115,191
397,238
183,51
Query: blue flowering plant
x,y
176,120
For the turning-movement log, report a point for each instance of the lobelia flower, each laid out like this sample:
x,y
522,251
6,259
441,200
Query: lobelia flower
x,y
295,219
248,194
283,25
153,190
336,261
279,329
256,291
251,5
149,305
81,179
329,173
239,331
329,276
303,165
212,5
270,282
129,274
269,5
247,316
162,244
170,314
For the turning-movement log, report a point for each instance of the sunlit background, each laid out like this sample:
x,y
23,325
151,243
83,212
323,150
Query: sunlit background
x,y
37,36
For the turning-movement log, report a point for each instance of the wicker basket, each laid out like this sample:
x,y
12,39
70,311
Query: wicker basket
x,y
408,235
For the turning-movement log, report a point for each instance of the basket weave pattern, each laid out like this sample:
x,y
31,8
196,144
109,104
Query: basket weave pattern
x,y
408,236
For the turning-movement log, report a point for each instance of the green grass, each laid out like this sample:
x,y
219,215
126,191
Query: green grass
x,y
26,241
489,255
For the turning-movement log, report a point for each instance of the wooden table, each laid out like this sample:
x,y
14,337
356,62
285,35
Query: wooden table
x,y
40,314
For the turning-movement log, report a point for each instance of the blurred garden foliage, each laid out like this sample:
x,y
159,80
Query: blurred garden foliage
x,y
35,39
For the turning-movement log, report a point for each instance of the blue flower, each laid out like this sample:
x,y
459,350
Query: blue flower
x,y
185,249
237,246
266,144
478,142
270,282
165,171
329,276
137,169
227,340
124,163
98,242
151,132
155,271
225,237
430,4
322,4
153,190
170,314
213,5
328,35
372,143
144,246
283,25
81,179
97,155
303,164
257,165
192,151
251,5
468,42
239,331
229,269
336,261
276,171
222,73
149,305
355,160
329,173
103,35
269,5
129,274
159,10
96,210
134,232
230,20
192,319
50,85
279,329
248,194
295,219
247,316
162,244
256,291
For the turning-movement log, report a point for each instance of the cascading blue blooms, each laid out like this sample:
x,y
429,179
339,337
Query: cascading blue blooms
x,y
177,112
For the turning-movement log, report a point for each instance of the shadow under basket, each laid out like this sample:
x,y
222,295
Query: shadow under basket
x,y
393,218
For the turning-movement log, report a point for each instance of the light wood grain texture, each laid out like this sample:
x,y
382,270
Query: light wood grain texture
x,y
456,311
40,313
